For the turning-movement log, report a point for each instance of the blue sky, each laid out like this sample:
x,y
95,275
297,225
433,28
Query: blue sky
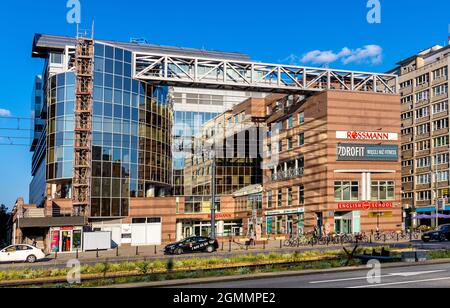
x,y
301,31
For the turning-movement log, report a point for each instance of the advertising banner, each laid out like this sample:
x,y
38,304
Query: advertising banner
x,y
367,152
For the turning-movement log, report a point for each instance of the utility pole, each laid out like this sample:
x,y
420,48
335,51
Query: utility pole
x,y
213,197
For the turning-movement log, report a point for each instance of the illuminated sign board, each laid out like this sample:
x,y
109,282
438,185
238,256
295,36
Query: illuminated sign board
x,y
369,205
376,136
367,152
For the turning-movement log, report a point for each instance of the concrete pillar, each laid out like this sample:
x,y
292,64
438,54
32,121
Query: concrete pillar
x,y
220,227
179,231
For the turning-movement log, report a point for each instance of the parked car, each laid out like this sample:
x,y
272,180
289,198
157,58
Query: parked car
x,y
21,253
441,234
191,245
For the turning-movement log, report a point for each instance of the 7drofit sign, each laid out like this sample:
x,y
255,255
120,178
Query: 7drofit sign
x,y
367,152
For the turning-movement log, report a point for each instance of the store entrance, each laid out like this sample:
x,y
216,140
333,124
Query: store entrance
x,y
343,223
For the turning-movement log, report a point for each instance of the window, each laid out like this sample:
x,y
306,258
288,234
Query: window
x,y
442,159
441,141
346,191
423,179
407,99
407,115
56,58
422,96
289,196
407,163
440,107
301,139
301,118
424,195
290,144
423,79
440,124
301,195
423,129
269,200
407,179
383,190
280,146
422,112
440,90
423,162
280,198
407,83
441,72
423,145
289,123
442,176
407,147
407,131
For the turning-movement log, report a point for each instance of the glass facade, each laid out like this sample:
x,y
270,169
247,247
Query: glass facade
x,y
187,125
60,129
131,134
132,125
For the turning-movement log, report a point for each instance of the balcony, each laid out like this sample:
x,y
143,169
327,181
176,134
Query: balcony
x,y
423,120
439,97
422,86
406,107
421,103
442,114
289,174
406,91
407,154
440,132
440,80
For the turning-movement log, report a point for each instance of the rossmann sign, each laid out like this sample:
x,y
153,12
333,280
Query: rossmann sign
x,y
376,136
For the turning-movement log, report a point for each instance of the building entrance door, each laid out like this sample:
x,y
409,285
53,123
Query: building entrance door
x,y
290,227
66,241
343,223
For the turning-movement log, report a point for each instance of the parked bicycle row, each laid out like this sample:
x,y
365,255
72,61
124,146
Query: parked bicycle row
x,y
338,239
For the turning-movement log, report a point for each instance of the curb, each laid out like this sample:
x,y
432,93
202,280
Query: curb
x,y
186,282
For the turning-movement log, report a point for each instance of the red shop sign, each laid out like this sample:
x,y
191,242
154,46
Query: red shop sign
x,y
365,205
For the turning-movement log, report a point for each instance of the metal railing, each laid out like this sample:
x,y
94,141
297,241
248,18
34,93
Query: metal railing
x,y
288,174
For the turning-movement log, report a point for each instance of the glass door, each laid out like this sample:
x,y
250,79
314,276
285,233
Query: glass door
x,y
66,241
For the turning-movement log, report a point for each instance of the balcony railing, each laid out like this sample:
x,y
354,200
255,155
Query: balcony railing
x,y
288,174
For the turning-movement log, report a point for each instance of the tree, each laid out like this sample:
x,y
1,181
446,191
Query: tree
x,y
4,220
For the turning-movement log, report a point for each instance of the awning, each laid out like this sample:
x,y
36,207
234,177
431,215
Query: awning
x,y
428,209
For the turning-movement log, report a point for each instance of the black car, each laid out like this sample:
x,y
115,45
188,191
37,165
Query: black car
x,y
441,234
191,245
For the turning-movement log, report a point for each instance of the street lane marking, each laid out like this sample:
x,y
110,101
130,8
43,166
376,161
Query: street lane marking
x,y
410,274
399,283
348,279
406,274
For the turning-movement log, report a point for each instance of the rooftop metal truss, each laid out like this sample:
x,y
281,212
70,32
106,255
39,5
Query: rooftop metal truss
x,y
255,76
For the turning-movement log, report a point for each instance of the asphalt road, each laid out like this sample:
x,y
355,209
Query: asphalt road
x,y
61,262
419,276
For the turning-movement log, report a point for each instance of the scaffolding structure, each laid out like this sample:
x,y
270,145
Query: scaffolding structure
x,y
84,61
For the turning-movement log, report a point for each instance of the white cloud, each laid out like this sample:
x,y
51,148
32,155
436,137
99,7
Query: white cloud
x,y
369,54
372,54
5,113
319,57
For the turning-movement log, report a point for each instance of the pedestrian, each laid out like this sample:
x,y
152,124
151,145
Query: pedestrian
x,y
34,243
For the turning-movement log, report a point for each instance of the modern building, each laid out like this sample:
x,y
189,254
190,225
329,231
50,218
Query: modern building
x,y
111,119
333,163
423,80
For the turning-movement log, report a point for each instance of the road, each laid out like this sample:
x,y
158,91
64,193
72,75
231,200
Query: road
x,y
128,254
419,276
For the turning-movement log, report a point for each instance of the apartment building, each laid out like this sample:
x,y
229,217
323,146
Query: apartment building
x,y
423,80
